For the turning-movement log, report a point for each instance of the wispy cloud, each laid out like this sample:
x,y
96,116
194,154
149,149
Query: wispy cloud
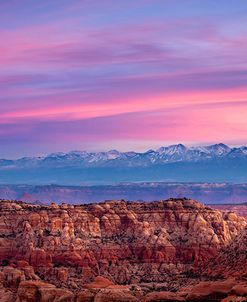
x,y
69,70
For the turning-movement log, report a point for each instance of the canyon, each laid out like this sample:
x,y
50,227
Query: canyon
x,y
169,250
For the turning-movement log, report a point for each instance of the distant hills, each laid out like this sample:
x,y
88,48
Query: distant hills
x,y
210,193
214,163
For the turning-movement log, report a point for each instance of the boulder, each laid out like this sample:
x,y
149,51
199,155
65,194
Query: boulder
x,y
240,289
204,291
85,296
114,295
99,282
163,297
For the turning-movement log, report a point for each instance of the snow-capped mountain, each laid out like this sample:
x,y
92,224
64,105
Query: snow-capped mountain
x,y
175,163
163,155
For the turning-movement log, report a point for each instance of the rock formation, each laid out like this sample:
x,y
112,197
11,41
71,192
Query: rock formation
x,y
232,259
56,252
240,209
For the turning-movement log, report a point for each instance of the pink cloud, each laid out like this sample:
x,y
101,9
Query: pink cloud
x,y
195,123
153,80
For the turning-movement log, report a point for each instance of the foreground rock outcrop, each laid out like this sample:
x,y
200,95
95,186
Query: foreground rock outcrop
x,y
232,259
56,253
103,290
227,290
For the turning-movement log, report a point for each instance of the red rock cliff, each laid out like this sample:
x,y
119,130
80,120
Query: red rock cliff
x,y
130,242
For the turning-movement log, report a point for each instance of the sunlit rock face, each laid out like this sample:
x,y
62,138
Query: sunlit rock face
x,y
231,261
130,242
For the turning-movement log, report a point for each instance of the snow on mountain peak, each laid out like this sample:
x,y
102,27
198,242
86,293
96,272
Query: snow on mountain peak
x,y
113,154
163,155
172,148
219,149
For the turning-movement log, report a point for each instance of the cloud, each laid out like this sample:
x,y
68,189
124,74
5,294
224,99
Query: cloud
x,y
191,122
151,71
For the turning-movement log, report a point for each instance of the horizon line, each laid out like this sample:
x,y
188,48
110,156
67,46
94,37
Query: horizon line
x,y
46,154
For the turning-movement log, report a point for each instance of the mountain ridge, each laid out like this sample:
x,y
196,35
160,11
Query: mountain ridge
x,y
175,163
162,155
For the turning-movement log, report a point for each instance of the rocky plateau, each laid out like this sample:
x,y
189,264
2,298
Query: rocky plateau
x,y
171,250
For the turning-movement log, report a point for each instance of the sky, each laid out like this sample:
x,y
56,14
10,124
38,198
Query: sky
x,y
128,75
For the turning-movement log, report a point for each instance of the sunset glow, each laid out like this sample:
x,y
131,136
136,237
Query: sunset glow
x,y
102,75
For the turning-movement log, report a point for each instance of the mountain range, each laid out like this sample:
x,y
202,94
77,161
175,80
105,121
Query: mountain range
x,y
217,162
170,154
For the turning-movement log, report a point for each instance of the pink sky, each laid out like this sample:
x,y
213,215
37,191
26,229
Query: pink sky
x,y
81,75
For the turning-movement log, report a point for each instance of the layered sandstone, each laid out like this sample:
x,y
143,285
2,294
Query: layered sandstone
x,y
239,209
232,259
145,246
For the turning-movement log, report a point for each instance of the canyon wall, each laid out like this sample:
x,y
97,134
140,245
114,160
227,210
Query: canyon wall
x,y
129,243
